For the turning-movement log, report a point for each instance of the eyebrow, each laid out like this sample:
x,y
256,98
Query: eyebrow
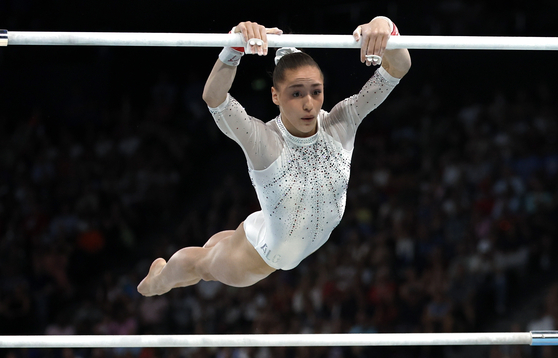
x,y
301,85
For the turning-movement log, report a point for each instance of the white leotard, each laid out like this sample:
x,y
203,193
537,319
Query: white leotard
x,y
301,183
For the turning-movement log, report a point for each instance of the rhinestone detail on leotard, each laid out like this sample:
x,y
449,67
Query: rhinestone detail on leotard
x,y
305,190
300,182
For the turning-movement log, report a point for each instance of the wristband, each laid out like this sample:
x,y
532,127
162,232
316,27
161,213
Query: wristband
x,y
394,30
230,56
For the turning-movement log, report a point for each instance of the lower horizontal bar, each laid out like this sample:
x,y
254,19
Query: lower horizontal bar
x,y
275,41
270,340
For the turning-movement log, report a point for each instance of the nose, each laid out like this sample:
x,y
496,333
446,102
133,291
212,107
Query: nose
x,y
307,105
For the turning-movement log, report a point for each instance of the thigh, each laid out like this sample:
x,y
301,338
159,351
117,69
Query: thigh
x,y
213,240
235,262
247,253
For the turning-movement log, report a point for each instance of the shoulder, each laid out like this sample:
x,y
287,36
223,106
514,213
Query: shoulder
x,y
341,112
272,126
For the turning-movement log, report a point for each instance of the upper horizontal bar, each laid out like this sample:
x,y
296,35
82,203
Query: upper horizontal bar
x,y
274,340
285,40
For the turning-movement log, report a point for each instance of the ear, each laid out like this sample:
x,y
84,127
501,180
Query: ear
x,y
275,96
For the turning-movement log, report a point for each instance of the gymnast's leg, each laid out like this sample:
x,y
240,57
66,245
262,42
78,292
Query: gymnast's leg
x,y
227,257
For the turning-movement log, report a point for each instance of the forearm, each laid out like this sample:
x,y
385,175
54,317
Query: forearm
x,y
373,93
397,62
218,84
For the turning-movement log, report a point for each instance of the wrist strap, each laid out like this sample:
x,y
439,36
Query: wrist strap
x,y
230,56
394,30
239,49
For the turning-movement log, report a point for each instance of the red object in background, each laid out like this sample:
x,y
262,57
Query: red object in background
x,y
91,241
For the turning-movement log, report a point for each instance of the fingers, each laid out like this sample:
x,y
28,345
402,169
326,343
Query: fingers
x,y
252,32
274,31
374,38
255,36
356,33
242,29
249,30
373,44
262,50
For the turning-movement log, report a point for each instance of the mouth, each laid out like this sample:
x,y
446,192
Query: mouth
x,y
308,118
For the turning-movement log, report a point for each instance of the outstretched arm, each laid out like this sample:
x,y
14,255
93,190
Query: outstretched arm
x,y
374,37
222,76
218,84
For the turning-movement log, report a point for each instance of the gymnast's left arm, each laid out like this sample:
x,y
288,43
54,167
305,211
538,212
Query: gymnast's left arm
x,y
374,37
347,115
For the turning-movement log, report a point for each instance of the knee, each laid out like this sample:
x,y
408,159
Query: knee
x,y
217,238
190,262
202,269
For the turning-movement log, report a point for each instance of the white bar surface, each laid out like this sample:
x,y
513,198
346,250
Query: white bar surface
x,y
275,41
267,340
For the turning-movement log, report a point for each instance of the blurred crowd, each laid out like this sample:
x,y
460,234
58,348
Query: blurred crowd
x,y
450,220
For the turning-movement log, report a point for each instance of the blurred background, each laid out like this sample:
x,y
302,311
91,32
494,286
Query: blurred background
x,y
109,159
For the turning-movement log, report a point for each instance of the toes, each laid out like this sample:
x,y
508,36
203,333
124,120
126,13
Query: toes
x,y
157,266
145,287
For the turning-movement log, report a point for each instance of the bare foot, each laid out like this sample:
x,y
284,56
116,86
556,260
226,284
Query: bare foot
x,y
149,285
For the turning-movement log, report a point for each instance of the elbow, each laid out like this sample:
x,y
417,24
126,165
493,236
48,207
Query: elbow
x,y
403,63
210,99
405,66
206,96
408,62
398,65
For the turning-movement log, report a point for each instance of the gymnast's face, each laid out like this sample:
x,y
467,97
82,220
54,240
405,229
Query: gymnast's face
x,y
300,98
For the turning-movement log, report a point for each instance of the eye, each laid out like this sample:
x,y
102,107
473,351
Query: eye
x,y
296,94
317,92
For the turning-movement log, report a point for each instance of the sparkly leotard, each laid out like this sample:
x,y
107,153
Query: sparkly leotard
x,y
301,183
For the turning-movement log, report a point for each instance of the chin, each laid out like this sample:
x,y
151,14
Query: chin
x,y
308,131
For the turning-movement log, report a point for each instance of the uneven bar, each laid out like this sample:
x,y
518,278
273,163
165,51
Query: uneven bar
x,y
280,340
285,40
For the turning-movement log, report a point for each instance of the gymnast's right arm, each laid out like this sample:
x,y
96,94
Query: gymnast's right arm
x,y
250,133
222,76
219,83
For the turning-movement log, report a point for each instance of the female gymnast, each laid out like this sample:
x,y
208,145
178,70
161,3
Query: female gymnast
x,y
299,162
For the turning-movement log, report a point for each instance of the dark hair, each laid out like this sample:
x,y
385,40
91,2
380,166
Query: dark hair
x,y
292,61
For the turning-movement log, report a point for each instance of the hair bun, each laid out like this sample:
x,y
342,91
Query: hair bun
x,y
284,51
